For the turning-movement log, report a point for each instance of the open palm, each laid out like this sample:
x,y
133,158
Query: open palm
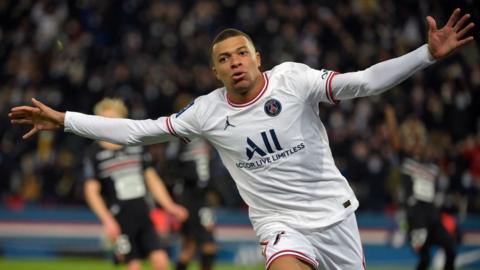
x,y
442,42
41,117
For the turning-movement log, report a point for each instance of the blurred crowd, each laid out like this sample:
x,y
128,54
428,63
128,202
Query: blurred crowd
x,y
155,55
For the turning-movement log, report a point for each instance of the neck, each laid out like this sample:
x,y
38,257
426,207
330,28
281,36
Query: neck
x,y
242,96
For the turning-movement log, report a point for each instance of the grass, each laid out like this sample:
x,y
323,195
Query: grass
x,y
89,264
98,264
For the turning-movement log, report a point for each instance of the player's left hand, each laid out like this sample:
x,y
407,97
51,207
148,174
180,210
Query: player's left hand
x,y
444,41
178,211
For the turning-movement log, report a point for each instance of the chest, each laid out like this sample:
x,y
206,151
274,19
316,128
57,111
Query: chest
x,y
270,126
110,164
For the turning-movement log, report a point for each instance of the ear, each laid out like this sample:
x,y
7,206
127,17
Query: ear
x,y
259,59
214,70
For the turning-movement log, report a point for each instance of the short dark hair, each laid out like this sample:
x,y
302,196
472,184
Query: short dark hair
x,y
225,34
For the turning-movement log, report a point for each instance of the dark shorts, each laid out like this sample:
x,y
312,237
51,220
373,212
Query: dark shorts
x,y
201,219
199,225
138,238
422,215
425,226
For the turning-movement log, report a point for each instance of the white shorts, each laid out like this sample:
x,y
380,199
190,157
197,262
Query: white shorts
x,y
335,247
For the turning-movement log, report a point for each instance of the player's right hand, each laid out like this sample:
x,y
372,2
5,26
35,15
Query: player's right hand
x,y
41,117
112,230
179,212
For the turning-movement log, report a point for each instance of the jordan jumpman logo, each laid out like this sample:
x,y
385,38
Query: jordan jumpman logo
x,y
227,124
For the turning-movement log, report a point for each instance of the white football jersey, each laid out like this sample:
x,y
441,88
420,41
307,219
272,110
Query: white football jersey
x,y
275,147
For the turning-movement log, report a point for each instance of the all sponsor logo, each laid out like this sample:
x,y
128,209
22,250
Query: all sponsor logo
x,y
253,148
259,155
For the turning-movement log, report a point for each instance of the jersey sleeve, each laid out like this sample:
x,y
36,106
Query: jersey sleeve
x,y
380,77
89,171
311,85
186,123
182,125
147,160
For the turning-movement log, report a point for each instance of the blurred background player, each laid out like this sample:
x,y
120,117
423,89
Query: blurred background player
x,y
189,168
424,187
116,181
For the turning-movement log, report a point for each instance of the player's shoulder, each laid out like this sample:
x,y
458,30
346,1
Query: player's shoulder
x,y
92,152
92,148
202,107
289,67
211,100
216,96
204,100
291,71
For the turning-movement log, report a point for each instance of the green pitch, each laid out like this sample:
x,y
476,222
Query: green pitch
x,y
90,264
98,264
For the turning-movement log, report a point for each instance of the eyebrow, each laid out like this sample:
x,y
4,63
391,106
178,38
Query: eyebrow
x,y
236,50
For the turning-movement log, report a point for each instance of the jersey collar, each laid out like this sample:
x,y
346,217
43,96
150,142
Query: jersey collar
x,y
253,100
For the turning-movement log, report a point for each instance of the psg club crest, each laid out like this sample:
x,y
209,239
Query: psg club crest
x,y
273,107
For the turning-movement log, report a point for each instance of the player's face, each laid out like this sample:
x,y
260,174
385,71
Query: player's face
x,y
236,64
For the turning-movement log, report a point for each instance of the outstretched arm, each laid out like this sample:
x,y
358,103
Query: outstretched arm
x,y
385,75
116,130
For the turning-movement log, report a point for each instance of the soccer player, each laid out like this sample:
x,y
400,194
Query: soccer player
x,y
267,130
188,178
422,191
116,182
190,167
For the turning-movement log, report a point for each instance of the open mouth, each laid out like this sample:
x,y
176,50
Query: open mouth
x,y
238,76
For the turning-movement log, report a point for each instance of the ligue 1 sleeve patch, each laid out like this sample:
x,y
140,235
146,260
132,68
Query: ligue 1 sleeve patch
x,y
184,109
272,107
